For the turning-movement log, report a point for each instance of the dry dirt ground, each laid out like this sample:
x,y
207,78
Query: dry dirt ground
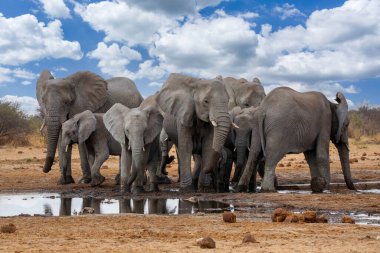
x,y
21,171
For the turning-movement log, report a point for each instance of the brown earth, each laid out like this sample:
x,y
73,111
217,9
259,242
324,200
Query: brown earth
x,y
21,171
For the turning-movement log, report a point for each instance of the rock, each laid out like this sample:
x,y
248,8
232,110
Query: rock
x,y
206,243
200,214
192,199
279,215
20,152
322,219
310,216
229,217
104,167
288,164
348,219
249,238
364,154
362,158
9,228
87,210
281,165
291,218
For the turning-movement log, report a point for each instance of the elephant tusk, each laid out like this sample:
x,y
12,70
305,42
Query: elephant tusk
x,y
43,125
234,149
166,139
144,149
66,148
214,123
129,147
234,125
249,149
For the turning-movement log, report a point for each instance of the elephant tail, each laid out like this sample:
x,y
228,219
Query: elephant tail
x,y
261,119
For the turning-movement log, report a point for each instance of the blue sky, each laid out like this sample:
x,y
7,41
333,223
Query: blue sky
x,y
322,45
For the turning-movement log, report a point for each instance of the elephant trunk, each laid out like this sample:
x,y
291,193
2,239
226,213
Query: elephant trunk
x,y
221,130
137,162
241,146
53,129
344,160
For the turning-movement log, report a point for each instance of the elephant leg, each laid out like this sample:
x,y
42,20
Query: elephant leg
x,y
273,156
152,168
84,164
323,179
185,147
100,158
64,163
126,161
117,177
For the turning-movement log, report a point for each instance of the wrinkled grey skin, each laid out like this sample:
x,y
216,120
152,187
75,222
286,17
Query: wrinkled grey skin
x,y
138,131
88,128
243,94
192,101
61,99
291,122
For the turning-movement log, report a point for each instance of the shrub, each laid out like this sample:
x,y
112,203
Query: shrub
x,y
14,124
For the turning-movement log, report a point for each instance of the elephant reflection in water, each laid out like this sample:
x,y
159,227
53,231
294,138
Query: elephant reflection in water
x,y
186,207
155,206
65,206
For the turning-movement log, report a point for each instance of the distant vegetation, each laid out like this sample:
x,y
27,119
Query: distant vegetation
x,y
15,126
365,121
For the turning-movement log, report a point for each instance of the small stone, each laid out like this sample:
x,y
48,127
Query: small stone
x,y
364,154
20,152
322,219
9,228
87,210
362,158
229,217
249,238
310,216
291,218
354,160
288,164
279,215
281,165
200,214
348,219
104,167
206,243
192,199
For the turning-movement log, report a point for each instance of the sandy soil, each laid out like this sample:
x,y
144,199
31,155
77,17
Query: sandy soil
x,y
21,171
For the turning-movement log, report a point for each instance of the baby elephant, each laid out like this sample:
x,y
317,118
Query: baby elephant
x,y
87,127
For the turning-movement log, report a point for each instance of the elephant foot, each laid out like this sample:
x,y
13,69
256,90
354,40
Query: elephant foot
x,y
163,180
85,180
350,185
138,190
125,189
117,179
97,180
65,180
317,184
153,187
221,188
252,188
240,188
186,189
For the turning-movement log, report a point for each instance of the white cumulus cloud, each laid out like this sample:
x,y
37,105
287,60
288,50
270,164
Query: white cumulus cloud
x,y
55,8
287,11
24,39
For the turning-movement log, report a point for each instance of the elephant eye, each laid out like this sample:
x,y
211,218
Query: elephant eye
x,y
206,101
246,104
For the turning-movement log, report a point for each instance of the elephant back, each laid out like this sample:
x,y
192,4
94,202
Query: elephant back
x,y
121,90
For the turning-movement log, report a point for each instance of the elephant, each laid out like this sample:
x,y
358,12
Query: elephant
x,y
61,99
87,127
243,94
193,102
139,130
290,122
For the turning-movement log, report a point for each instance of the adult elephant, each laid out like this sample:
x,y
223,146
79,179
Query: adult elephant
x,y
60,99
242,94
194,101
288,121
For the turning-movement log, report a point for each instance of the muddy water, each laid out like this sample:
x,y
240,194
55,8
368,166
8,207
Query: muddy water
x,y
52,204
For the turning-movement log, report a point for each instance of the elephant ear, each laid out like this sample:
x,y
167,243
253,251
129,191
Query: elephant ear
x,y
41,86
86,125
90,92
176,98
154,128
114,121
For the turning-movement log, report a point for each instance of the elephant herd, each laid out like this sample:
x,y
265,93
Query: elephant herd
x,y
219,123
